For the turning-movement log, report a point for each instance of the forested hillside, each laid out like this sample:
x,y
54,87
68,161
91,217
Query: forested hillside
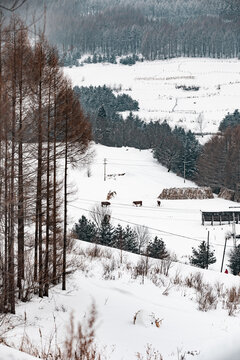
x,y
157,29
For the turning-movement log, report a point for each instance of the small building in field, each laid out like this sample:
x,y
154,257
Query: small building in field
x,y
229,216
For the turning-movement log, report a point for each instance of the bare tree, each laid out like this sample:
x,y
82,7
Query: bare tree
x,y
98,214
143,237
13,6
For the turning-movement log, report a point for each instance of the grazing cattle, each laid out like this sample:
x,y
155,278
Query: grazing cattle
x,y
158,203
105,203
137,203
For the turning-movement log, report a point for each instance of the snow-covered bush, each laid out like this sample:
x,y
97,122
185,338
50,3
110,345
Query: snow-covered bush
x,y
147,319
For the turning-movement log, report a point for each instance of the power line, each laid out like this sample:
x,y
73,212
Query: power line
x,y
148,227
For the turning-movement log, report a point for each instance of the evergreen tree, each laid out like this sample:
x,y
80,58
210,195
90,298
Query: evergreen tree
x,y
85,230
202,257
101,132
130,237
157,249
234,261
126,239
230,120
119,237
106,233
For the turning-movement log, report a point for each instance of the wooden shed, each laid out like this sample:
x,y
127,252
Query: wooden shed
x,y
220,217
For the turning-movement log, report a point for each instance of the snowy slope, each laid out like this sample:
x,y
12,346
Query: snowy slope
x,y
7,353
153,85
185,330
117,292
178,222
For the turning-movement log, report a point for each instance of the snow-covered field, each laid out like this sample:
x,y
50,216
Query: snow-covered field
x,y
153,85
178,222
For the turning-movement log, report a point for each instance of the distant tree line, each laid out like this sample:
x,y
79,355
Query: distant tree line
x,y
156,29
216,164
219,162
93,97
176,149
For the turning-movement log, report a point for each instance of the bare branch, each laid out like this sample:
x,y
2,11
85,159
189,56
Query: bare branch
x,y
16,5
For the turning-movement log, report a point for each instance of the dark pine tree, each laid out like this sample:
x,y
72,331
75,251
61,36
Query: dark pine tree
x,y
130,238
234,260
157,249
102,130
230,120
85,230
202,257
106,233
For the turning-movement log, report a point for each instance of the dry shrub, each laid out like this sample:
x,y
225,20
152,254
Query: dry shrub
x,y
83,265
165,266
150,354
108,269
107,253
219,288
8,323
94,252
78,345
206,299
155,278
233,300
98,252
139,269
80,341
79,251
167,289
43,350
177,280
195,281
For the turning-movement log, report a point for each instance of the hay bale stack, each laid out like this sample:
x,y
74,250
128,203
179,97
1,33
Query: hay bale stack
x,y
226,194
186,193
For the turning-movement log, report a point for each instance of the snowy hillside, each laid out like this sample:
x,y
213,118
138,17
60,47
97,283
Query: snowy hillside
x,y
157,85
119,289
118,293
178,222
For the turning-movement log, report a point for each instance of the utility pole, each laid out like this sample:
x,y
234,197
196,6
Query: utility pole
x,y
184,169
207,248
224,250
105,168
234,231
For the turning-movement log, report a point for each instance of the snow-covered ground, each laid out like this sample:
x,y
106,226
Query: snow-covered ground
x,y
118,295
8,353
153,85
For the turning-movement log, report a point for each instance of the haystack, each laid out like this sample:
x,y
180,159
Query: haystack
x,y
186,193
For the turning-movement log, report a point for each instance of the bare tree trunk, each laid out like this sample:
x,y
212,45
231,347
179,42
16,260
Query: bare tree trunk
x,y
65,205
54,275
46,272
39,216
20,176
12,183
6,230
